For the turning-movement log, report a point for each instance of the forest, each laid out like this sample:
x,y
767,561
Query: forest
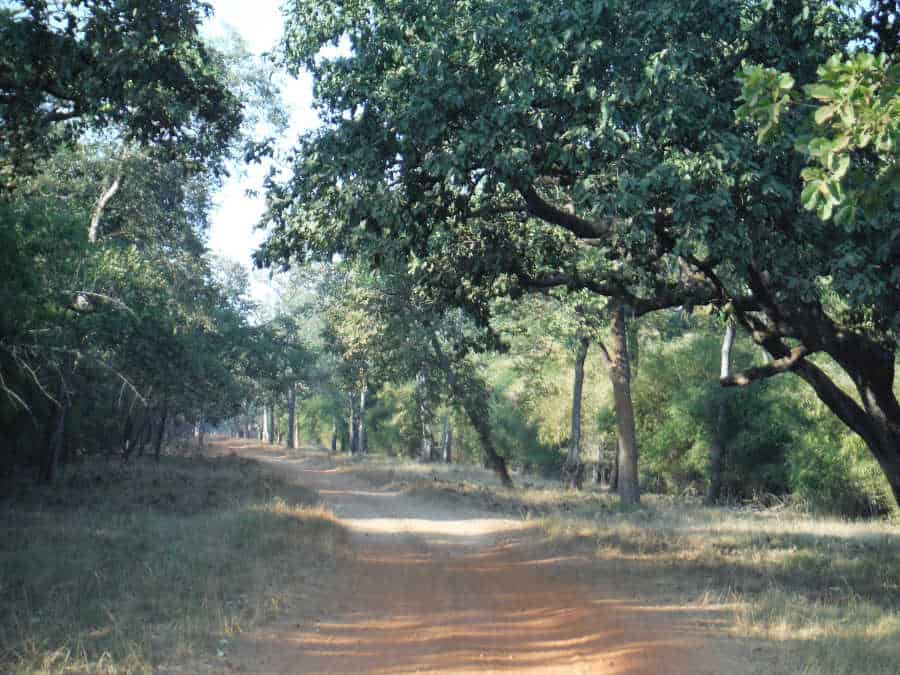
x,y
637,256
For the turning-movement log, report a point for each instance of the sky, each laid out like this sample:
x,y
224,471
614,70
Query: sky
x,y
232,234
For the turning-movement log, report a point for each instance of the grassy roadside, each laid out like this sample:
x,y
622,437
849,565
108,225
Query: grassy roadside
x,y
824,593
145,568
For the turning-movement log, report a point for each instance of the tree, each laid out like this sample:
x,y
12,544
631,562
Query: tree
x,y
71,65
717,446
109,338
593,145
382,333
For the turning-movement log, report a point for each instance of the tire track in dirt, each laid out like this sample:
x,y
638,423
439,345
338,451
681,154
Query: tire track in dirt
x,y
427,589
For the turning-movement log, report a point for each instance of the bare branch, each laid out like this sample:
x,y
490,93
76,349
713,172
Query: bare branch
x,y
134,390
13,396
604,353
24,365
778,366
108,194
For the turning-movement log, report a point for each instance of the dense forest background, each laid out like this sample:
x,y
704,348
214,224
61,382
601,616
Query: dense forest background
x,y
540,239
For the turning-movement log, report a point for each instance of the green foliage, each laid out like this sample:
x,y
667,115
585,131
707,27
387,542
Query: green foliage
x,y
495,147
517,438
395,424
830,469
777,437
71,65
852,136
121,332
677,411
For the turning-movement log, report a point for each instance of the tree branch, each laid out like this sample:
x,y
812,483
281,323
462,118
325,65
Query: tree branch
x,y
108,194
775,367
584,229
663,298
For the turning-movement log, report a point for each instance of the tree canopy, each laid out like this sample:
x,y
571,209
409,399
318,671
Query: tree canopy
x,y
71,65
500,146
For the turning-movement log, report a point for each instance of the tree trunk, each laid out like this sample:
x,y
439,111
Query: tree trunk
x,y
877,422
363,432
717,446
869,363
427,445
334,435
473,396
634,346
271,429
447,441
108,193
614,471
494,461
599,473
264,429
620,374
126,436
573,470
426,442
57,430
870,366
292,403
161,430
354,426
145,434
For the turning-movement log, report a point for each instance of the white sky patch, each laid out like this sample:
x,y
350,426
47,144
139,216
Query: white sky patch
x,y
232,231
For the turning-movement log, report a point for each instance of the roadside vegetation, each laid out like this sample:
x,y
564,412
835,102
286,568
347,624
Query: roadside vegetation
x,y
613,259
824,592
149,568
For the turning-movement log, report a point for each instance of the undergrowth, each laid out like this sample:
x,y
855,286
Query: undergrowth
x,y
823,592
142,568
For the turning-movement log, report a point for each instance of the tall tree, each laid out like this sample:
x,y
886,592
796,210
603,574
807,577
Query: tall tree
x,y
717,444
71,65
594,145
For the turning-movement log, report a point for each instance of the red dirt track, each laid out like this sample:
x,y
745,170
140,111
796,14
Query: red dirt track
x,y
431,588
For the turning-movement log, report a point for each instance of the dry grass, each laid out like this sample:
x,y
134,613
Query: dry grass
x,y
143,569
823,592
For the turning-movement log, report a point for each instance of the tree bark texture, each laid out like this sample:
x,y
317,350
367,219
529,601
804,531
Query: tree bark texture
x,y
54,442
426,442
271,429
363,432
447,441
354,426
102,201
717,446
614,471
620,375
161,430
573,470
292,404
869,363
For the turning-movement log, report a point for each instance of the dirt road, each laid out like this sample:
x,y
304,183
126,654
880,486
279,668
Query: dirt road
x,y
428,589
